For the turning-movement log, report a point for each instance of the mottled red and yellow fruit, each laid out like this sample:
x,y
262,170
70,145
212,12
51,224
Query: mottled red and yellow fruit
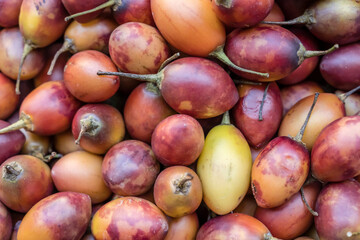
x,y
233,226
81,79
265,48
7,92
178,191
279,171
291,219
128,218
189,31
138,48
338,206
80,171
25,180
177,140
63,215
336,152
246,113
327,109
183,228
130,168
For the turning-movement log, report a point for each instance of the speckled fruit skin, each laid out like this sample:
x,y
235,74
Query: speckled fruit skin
x,y
340,68
129,218
111,129
144,109
81,79
246,113
206,89
138,48
177,191
327,109
291,219
5,223
59,109
178,140
30,186
242,13
133,11
80,171
130,168
336,152
61,216
233,226
10,143
74,6
264,48
338,206
279,171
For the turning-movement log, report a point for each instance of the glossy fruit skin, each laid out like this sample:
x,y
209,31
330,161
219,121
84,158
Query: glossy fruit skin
x,y
337,21
183,228
178,140
80,171
138,48
242,13
60,216
133,11
224,168
129,218
93,35
246,113
59,109
327,109
291,219
11,45
336,151
74,6
290,95
309,64
233,226
5,223
279,171
81,79
9,13
64,143
338,206
177,191
10,143
340,68
130,168
42,23
264,48
111,129
143,110
189,31
32,184
208,89
7,92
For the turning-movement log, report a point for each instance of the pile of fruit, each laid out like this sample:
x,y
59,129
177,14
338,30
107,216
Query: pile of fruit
x,y
179,119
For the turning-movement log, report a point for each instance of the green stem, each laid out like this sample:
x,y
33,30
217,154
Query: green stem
x,y
263,102
307,18
156,78
167,61
300,134
224,3
246,82
226,119
344,96
28,47
109,3
219,54
23,122
306,203
309,54
68,45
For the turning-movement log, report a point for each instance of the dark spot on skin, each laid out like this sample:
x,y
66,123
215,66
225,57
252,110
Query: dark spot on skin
x,y
112,230
157,59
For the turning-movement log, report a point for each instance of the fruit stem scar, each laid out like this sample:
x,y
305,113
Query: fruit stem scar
x,y
263,102
300,134
183,184
89,126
